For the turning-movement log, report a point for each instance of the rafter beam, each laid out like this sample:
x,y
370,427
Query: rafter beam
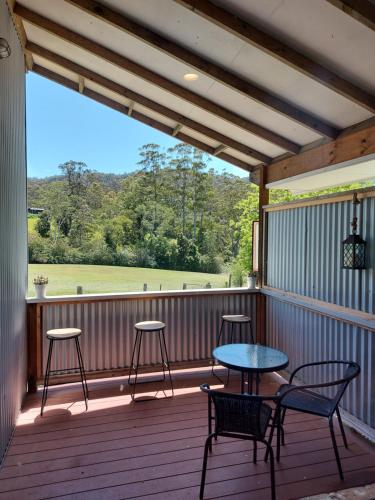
x,y
211,69
278,49
177,129
219,149
348,147
361,10
130,108
81,84
137,116
29,61
154,78
144,101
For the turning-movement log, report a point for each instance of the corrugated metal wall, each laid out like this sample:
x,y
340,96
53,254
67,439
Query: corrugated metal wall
x,y
304,257
305,248
13,244
192,324
307,336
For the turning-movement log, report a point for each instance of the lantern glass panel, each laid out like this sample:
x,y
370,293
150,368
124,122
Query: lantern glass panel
x,y
354,252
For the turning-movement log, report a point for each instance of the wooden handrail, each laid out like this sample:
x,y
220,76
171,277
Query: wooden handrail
x,y
346,314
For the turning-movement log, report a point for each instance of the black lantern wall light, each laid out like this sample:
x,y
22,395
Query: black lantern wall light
x,y
354,247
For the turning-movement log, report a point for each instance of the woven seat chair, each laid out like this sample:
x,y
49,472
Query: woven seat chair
x,y
241,416
304,398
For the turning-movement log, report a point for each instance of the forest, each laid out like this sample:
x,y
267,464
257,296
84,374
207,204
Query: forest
x,y
172,212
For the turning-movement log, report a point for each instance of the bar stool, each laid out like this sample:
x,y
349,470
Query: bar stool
x,y
61,334
153,328
234,322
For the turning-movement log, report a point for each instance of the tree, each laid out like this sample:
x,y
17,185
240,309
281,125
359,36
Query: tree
x,y
152,161
43,225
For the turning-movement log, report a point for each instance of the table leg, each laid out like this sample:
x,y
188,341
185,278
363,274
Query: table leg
x,y
242,382
257,383
250,382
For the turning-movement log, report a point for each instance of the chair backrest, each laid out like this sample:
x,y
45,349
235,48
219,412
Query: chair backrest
x,y
352,370
239,413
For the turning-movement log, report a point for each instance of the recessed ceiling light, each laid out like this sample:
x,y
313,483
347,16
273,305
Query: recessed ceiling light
x,y
191,77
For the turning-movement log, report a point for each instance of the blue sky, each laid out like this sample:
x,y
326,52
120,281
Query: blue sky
x,y
63,125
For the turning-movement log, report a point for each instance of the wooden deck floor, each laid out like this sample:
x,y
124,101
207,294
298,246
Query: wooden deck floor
x,y
118,449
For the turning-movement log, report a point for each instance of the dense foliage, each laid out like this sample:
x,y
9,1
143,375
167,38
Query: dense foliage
x,y
174,212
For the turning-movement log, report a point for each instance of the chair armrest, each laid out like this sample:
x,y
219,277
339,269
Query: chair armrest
x,y
315,363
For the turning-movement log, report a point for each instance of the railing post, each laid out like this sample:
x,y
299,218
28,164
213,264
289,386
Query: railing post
x,y
261,319
34,346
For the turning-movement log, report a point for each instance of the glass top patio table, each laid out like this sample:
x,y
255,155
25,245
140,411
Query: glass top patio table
x,y
250,359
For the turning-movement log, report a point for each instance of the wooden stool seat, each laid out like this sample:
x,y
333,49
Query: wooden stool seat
x,y
63,333
149,326
236,318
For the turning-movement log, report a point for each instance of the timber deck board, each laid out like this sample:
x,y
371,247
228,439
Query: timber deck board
x,y
119,449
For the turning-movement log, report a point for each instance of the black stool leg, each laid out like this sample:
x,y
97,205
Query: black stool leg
x,y
220,333
163,362
82,372
133,354
167,361
231,342
251,332
217,344
46,377
136,368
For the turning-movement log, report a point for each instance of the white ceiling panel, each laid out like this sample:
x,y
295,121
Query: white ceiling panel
x,y
317,29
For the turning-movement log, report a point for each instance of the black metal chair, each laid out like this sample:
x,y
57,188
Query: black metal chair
x,y
241,416
304,398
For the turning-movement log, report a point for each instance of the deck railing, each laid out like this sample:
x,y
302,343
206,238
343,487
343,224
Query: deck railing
x,y
107,321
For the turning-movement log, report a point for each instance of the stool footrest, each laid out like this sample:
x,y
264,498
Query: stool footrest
x,y
130,382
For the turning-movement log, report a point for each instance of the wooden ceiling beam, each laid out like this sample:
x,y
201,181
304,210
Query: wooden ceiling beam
x,y
361,10
281,51
348,147
154,78
218,73
144,101
117,106
219,149
177,129
130,108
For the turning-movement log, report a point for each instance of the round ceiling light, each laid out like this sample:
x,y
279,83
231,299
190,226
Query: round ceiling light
x,y
191,77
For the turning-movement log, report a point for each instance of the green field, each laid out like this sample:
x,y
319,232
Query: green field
x,y
64,279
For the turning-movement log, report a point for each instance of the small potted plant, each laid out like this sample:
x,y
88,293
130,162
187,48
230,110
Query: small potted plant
x,y
40,283
252,279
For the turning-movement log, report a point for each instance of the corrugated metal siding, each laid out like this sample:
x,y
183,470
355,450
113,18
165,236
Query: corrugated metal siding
x,y
306,336
192,324
304,254
13,243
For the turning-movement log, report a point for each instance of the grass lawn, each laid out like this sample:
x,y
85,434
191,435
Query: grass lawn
x,y
64,278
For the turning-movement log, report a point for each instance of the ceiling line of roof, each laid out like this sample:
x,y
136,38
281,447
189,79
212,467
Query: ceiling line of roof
x,y
218,73
66,82
154,78
144,101
267,43
362,10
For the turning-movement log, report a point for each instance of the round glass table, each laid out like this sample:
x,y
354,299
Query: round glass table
x,y
250,360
